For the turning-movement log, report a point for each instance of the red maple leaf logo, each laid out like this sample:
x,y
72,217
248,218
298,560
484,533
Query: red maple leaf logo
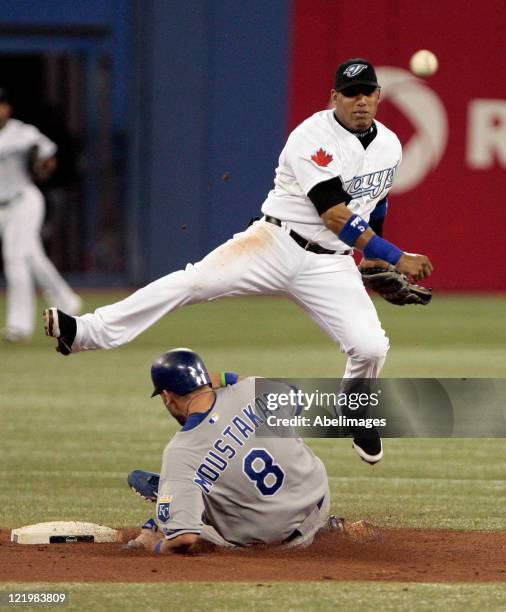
x,y
322,158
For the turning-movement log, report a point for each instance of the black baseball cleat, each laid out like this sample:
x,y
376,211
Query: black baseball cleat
x,y
368,446
61,326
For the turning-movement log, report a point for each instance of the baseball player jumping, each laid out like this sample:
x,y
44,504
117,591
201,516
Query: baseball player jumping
x,y
220,483
23,149
329,197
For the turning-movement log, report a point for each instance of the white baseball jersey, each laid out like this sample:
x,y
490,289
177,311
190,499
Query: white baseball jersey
x,y
318,150
266,260
16,138
249,489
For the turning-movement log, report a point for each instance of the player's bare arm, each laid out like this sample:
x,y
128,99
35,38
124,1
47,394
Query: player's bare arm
x,y
155,542
340,220
40,168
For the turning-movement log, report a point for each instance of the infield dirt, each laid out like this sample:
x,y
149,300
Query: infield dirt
x,y
403,555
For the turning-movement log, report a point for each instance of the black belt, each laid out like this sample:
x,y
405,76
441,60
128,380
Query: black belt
x,y
307,245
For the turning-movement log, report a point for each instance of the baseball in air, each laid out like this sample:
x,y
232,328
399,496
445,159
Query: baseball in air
x,y
423,63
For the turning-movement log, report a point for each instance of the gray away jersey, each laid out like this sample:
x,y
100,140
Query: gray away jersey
x,y
249,489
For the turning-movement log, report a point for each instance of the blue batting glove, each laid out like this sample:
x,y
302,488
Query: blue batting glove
x,y
151,525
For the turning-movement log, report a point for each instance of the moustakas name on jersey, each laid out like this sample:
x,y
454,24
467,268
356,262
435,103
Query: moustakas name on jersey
x,y
318,150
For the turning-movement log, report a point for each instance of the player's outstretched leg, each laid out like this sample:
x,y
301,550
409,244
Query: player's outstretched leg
x,y
258,261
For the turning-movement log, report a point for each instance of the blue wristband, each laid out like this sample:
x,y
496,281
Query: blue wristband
x,y
228,378
158,548
353,229
379,248
151,525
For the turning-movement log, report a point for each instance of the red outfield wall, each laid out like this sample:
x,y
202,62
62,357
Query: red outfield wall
x,y
450,193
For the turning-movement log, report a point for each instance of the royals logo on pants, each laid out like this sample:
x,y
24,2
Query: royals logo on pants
x,y
164,509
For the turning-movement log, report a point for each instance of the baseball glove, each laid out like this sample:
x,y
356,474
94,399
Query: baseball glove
x,y
394,286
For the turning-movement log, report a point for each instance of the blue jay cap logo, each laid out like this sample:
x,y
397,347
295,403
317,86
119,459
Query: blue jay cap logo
x,y
354,70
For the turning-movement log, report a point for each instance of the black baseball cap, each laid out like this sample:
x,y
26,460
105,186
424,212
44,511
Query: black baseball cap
x,y
5,96
355,71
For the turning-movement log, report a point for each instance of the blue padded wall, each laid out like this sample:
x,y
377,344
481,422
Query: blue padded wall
x,y
212,105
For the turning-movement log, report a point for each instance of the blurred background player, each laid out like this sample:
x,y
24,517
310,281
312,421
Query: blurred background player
x,y
25,155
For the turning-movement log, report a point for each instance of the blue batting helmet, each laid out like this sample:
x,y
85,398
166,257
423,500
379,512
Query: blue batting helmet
x,y
180,370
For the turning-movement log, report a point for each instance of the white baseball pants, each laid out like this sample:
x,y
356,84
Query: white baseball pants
x,y
25,261
263,260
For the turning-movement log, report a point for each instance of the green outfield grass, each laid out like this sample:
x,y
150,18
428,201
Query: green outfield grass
x,y
73,427
324,597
